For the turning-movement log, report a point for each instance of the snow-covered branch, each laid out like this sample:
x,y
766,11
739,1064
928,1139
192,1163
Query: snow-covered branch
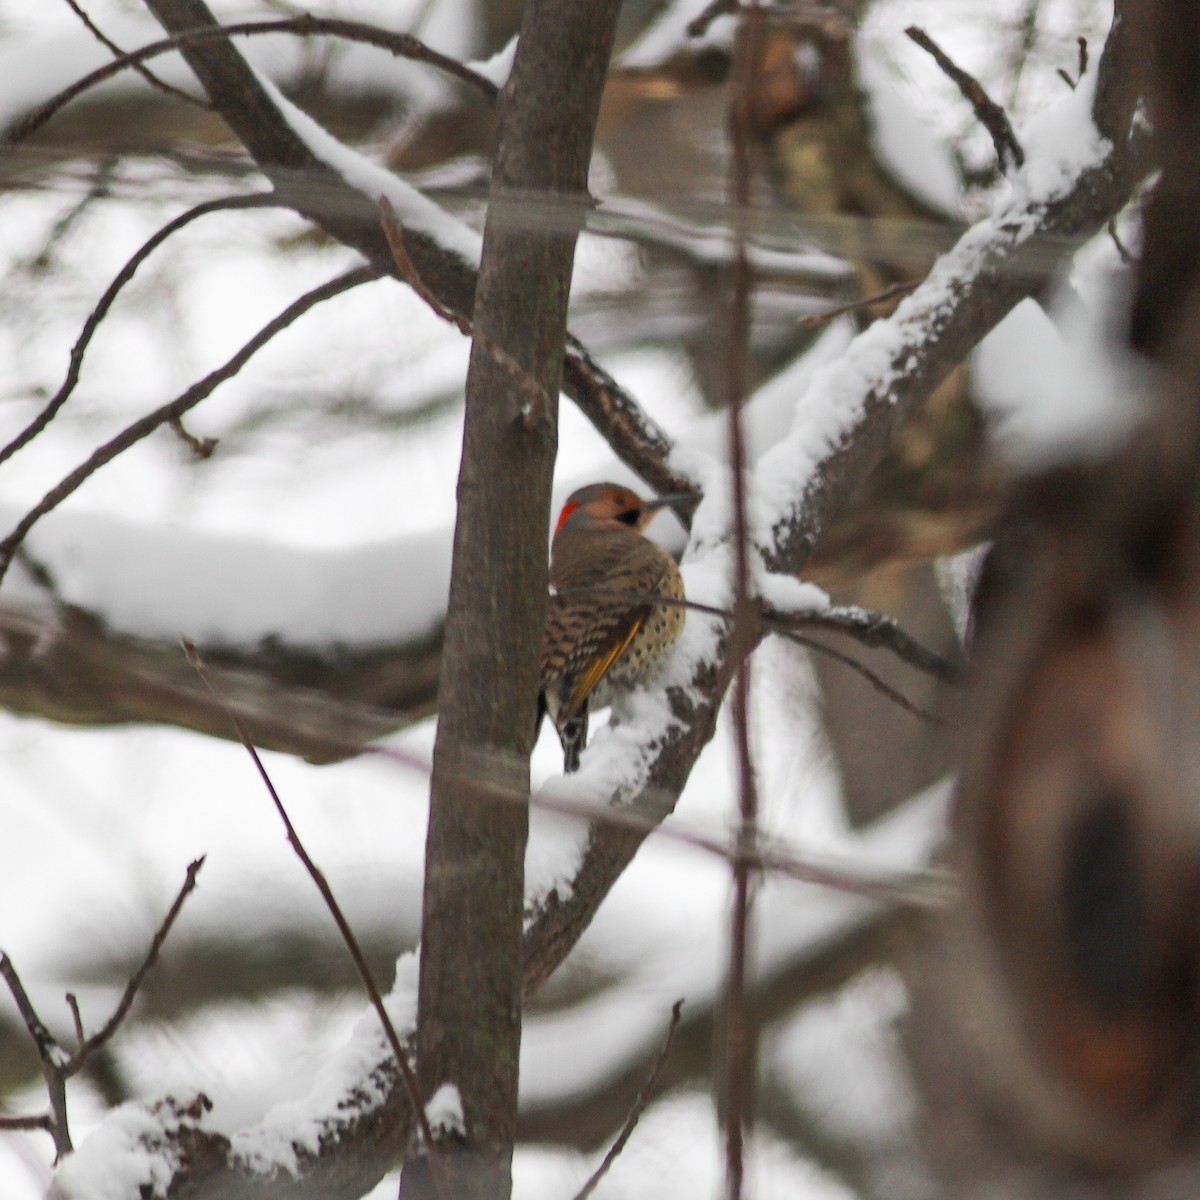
x,y
1072,182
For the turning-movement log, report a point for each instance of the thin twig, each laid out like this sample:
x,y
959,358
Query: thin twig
x,y
201,447
99,188
153,80
339,919
90,1045
1126,256
884,689
740,1051
1082,68
394,233
698,25
993,118
821,319
401,45
50,1054
643,1098
44,1121
134,433
77,1020
123,276
875,630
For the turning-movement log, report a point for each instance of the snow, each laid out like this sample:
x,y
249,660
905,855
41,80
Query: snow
x,y
1060,142
958,577
354,1069
498,67
444,1112
118,1160
787,594
414,210
1058,386
164,582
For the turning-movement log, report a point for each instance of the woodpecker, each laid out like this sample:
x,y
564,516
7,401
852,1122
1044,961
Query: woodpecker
x,y
604,632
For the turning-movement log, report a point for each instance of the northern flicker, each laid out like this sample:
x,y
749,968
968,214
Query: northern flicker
x,y
604,632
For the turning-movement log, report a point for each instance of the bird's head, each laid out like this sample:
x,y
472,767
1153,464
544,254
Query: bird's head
x,y
609,506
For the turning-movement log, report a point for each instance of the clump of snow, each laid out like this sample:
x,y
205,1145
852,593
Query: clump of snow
x,y
958,577
1060,142
554,849
498,67
444,1111
357,1070
1061,387
122,1160
787,594
414,210
164,582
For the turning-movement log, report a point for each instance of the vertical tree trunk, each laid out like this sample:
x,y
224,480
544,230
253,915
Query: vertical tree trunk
x,y
470,990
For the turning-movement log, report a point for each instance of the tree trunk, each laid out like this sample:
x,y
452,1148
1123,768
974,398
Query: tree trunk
x,y
469,1016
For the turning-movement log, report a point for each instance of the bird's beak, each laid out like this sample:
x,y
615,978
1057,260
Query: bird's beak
x,y
674,500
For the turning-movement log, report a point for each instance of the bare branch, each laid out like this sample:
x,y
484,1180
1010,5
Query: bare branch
x,y
993,118
134,433
89,1046
50,1054
884,689
872,629
698,25
76,1019
144,71
16,1124
400,45
123,276
821,319
644,1096
201,447
739,1047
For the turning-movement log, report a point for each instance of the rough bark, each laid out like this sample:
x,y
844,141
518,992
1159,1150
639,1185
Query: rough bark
x,y
469,1009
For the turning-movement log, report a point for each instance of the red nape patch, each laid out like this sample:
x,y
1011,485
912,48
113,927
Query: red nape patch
x,y
564,516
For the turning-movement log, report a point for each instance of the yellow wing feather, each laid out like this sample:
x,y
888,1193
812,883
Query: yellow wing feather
x,y
600,665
